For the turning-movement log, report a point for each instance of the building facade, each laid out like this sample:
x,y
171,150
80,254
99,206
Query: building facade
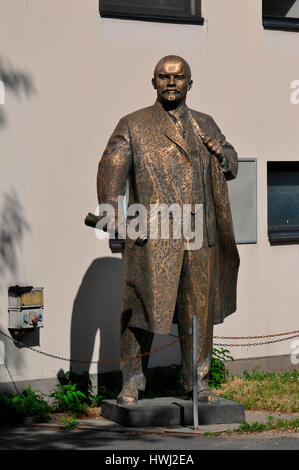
x,y
69,75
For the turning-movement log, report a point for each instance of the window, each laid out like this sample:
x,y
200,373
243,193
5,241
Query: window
x,y
174,11
283,202
281,14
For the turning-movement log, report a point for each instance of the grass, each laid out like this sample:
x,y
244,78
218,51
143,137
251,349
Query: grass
x,y
264,391
271,424
291,425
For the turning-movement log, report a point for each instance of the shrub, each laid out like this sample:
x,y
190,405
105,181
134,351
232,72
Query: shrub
x,y
83,384
9,413
68,398
31,403
14,411
219,372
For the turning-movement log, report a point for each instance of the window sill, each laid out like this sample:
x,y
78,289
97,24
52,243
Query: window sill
x,y
281,24
283,235
159,19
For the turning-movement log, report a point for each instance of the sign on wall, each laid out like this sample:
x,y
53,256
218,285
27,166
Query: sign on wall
x,y
243,201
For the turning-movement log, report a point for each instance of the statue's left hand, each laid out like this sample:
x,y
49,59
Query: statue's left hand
x,y
214,147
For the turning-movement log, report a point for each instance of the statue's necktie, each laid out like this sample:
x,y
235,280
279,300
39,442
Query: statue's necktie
x,y
180,121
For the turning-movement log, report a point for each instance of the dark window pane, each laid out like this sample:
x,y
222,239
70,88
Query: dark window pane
x,y
170,8
283,194
281,8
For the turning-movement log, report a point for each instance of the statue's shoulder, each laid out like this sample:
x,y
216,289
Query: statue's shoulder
x,y
201,118
139,115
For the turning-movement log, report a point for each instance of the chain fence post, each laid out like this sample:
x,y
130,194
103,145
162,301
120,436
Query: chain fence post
x,y
195,386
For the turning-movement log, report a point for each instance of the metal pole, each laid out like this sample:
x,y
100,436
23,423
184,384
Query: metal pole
x,y
195,390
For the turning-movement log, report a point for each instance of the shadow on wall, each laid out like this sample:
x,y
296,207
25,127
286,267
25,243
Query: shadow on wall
x,y
96,307
13,226
15,81
12,221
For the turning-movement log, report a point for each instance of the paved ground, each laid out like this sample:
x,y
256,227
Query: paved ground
x,y
102,434
92,439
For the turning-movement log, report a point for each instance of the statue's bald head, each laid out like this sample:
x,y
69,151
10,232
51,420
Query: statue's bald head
x,y
172,80
173,59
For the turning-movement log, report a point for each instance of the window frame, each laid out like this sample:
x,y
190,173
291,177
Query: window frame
x,y
195,20
280,23
281,234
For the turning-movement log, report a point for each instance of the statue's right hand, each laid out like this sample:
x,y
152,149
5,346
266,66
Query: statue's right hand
x,y
114,228
111,225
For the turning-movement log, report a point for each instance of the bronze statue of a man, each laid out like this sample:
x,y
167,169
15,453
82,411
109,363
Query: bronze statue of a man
x,y
172,154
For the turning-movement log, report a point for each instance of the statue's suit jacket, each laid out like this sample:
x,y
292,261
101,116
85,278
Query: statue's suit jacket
x,y
143,149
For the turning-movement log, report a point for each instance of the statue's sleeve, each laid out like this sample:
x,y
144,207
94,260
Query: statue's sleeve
x,y
229,165
114,166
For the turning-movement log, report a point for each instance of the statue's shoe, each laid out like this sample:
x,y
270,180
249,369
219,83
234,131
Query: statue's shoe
x,y
207,395
128,395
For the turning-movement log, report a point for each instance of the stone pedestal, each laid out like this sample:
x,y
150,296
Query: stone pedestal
x,y
170,411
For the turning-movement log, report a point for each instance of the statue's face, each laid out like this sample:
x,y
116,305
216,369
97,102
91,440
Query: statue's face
x,y
172,82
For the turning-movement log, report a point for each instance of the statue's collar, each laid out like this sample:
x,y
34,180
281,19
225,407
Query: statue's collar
x,y
178,113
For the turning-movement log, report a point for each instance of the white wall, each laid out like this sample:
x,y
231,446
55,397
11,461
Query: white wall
x,y
85,73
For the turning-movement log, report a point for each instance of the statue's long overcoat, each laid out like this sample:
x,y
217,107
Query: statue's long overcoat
x,y
142,149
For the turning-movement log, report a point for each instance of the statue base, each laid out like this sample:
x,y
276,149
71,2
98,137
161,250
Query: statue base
x,y
170,411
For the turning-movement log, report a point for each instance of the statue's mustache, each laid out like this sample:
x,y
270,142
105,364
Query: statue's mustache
x,y
171,89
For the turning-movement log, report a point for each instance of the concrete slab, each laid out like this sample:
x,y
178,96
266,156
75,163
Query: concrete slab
x,y
181,430
105,425
170,411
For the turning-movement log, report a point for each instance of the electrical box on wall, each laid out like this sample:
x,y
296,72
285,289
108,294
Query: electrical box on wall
x,y
25,307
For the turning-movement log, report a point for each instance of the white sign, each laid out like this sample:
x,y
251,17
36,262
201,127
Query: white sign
x,y
295,354
295,94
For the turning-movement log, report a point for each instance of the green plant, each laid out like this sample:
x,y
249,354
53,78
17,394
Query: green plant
x,y
68,398
14,411
10,414
219,372
83,384
31,403
104,393
69,423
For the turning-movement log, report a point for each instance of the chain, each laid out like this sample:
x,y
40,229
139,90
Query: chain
x,y
258,344
295,334
43,353
257,337
8,371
